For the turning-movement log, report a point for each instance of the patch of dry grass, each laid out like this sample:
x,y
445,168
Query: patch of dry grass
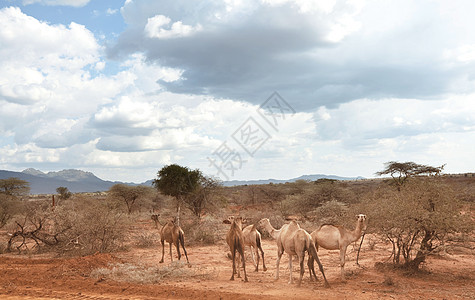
x,y
127,272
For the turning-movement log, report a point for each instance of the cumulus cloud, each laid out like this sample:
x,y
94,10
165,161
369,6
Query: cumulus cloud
x,y
156,28
313,54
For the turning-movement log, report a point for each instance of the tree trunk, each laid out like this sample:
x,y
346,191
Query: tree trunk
x,y
424,250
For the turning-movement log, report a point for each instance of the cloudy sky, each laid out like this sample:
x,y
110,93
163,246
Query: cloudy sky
x,y
241,89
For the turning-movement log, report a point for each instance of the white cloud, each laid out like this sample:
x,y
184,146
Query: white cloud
x,y
364,94
75,3
155,28
111,11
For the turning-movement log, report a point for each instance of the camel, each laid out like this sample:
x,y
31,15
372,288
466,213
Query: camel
x,y
294,241
334,237
235,240
252,238
173,234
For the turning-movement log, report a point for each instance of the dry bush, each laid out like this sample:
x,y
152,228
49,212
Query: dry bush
x,y
331,212
418,219
126,272
204,231
81,225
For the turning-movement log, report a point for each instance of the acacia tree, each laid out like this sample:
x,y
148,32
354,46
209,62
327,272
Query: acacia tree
x,y
180,183
129,194
401,172
417,219
14,186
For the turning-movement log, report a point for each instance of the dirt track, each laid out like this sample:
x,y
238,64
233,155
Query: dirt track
x,y
447,277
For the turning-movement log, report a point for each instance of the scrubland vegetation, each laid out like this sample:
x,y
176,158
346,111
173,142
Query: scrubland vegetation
x,y
425,215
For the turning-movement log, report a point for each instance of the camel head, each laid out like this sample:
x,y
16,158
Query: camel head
x,y
232,219
362,221
239,220
155,217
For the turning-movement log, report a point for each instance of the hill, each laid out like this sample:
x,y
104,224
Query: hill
x,y
46,183
78,181
275,181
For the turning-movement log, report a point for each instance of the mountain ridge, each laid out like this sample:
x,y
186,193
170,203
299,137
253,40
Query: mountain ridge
x,y
78,181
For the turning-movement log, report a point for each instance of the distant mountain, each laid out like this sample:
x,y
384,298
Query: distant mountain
x,y
78,181
46,183
275,181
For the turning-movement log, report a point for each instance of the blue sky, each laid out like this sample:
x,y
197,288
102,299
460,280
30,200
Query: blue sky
x,y
237,88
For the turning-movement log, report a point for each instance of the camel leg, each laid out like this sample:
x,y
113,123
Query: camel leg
x,y
342,262
279,256
263,261
238,264
233,254
256,266
320,266
163,250
177,246
171,256
290,269
311,268
302,268
243,260
257,255
182,241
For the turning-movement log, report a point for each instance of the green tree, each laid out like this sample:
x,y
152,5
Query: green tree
x,y
178,182
401,172
14,186
129,194
63,192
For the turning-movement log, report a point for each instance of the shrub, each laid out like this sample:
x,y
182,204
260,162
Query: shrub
x,y
417,218
83,226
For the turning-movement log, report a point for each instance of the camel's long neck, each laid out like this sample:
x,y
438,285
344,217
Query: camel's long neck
x,y
356,234
271,230
157,223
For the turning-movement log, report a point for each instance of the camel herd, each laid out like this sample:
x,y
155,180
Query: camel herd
x,y
290,238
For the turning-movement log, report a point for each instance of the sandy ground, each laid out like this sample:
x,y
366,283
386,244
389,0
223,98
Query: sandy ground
x,y
449,276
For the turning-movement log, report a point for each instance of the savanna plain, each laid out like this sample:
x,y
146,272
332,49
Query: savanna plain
x,y
91,246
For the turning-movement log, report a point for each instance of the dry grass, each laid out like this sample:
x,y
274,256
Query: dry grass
x,y
127,272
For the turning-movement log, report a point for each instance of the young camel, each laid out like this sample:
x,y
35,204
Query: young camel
x,y
333,237
294,241
252,238
173,234
235,240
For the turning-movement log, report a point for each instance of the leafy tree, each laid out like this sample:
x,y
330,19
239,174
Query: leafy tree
x,y
401,172
63,192
129,194
14,186
184,185
417,219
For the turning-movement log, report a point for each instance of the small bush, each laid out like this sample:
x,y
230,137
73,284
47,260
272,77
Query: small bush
x,y
205,231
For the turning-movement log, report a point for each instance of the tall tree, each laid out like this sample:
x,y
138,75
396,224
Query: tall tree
x,y
401,172
178,182
129,194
